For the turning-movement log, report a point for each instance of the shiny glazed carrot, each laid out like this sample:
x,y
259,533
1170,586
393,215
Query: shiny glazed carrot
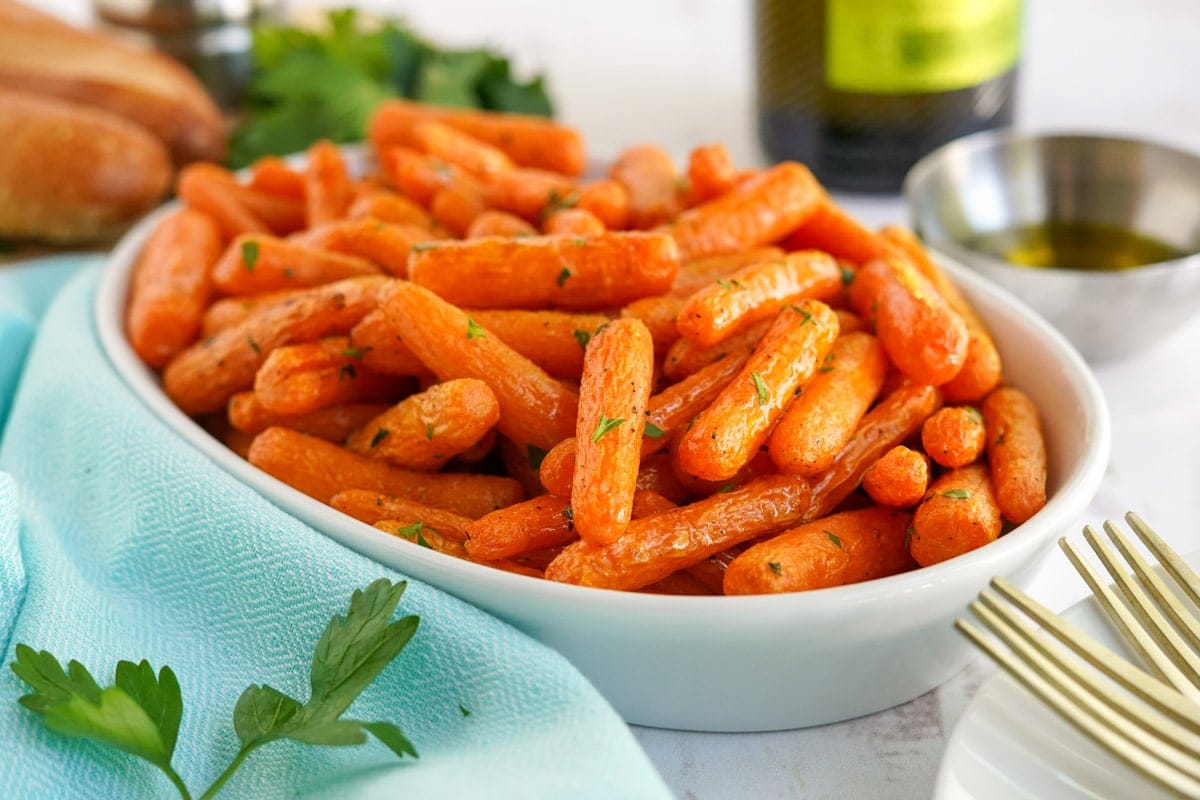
x,y
840,549
415,174
203,377
821,420
210,190
710,173
898,479
686,357
831,229
384,244
456,147
170,287
727,434
922,334
332,423
425,430
958,515
229,311
954,436
372,507
613,392
254,264
537,272
382,349
456,205
656,546
528,140
557,468
1016,453
534,408
388,206
554,340
499,223
658,314
697,273
607,199
321,470
529,193
757,292
649,175
573,222
756,212
417,533
328,189
272,175
299,378
538,523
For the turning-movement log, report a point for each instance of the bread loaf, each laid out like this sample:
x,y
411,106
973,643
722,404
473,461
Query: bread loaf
x,y
72,173
42,55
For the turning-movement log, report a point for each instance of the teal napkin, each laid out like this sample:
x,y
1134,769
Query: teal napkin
x,y
120,541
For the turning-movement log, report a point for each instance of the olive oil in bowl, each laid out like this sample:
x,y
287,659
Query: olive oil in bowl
x,y
1090,246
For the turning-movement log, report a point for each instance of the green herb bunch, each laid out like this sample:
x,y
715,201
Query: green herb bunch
x,y
306,85
141,712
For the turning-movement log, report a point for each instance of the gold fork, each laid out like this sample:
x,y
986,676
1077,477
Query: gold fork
x,y
1148,718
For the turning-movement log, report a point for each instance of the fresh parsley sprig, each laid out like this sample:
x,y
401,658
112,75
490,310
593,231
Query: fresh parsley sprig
x,y
140,713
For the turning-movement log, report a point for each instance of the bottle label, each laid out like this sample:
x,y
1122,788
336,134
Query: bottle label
x,y
917,46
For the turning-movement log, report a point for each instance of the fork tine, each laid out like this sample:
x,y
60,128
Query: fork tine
x,y
1180,708
1170,647
1127,626
1087,687
1172,562
1185,621
1163,773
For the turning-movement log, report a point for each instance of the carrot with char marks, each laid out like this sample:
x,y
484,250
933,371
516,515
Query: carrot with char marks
x,y
170,288
757,292
202,378
617,372
254,264
840,549
958,514
537,272
371,507
1016,453
756,212
727,434
528,140
425,430
534,408
321,470
656,546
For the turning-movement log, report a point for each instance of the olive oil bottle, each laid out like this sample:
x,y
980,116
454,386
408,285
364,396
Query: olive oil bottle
x,y
859,90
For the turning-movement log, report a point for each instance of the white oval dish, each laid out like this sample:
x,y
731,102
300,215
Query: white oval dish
x,y
748,663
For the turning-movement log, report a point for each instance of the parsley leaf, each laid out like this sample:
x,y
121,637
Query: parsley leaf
x,y
604,425
249,254
473,329
654,432
957,494
561,280
776,567
536,455
760,388
833,538
379,436
583,337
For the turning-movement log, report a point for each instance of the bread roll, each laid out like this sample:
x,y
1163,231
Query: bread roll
x,y
72,173
42,55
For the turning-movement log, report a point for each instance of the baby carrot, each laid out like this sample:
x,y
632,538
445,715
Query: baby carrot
x,y
757,292
415,174
954,436
418,534
710,173
387,206
554,340
534,524
272,175
498,223
229,311
528,140
557,468
647,503
529,193
1016,453
658,313
380,347
572,273
321,470
384,244
685,357
958,515
299,378
654,547
170,286
697,273
898,479
254,263
331,423
456,205
727,434
210,190
449,144
203,377
759,211
649,175
425,430
328,189
534,408
613,391
821,420
607,199
573,222
371,507
831,229
840,549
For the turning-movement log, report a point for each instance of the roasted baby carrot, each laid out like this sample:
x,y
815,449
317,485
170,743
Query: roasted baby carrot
x,y
456,205
538,272
922,334
821,420
384,244
415,174
1016,453
727,434
417,533
534,408
328,188
332,423
898,479
203,377
425,430
697,273
382,349
686,357
528,140
954,436
607,199
613,392
321,470
573,222
272,175
529,193
556,468
658,314
831,229
647,503
759,211
498,223
208,189
554,340
656,546
229,311
535,524
757,292
387,206
371,507
710,173
958,515
450,144
649,175
170,286
299,378
840,549
254,264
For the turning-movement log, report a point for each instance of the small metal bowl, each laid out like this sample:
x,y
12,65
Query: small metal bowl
x,y
999,180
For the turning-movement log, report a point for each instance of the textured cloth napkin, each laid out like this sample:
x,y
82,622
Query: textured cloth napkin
x,y
120,541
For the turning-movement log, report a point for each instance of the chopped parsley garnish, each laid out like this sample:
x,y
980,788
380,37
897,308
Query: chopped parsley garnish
x,y
473,329
249,254
653,431
561,280
957,494
604,425
379,436
833,538
583,337
536,455
776,567
760,388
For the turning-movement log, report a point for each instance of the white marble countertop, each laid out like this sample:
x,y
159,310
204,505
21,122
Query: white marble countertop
x,y
679,72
